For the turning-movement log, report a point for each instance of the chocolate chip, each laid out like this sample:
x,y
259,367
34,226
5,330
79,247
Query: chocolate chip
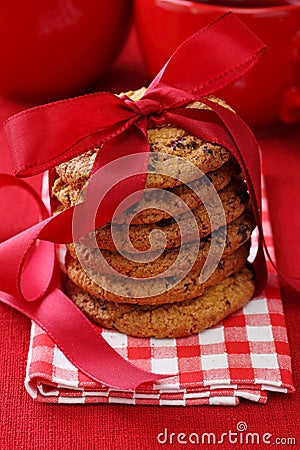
x,y
243,231
192,145
186,287
177,144
173,280
207,150
243,196
165,222
220,233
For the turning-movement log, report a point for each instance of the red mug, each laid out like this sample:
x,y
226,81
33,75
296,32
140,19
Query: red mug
x,y
57,48
267,95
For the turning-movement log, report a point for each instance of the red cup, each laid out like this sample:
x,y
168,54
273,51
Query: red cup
x,y
269,93
56,48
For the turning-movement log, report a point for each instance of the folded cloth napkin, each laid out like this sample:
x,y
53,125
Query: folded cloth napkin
x,y
244,356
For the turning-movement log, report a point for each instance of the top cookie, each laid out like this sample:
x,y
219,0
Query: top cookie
x,y
166,142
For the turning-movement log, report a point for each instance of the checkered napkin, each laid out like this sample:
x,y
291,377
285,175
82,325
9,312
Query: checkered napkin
x,y
244,356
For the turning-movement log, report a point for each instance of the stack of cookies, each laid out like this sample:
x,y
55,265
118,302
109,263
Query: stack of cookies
x,y
122,278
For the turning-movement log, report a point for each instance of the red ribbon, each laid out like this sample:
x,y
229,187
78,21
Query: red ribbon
x,y
45,136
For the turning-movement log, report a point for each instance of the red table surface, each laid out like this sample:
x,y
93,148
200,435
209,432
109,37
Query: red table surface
x,y
25,424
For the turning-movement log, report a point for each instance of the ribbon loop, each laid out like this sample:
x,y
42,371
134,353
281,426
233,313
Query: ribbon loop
x,y
63,130
226,50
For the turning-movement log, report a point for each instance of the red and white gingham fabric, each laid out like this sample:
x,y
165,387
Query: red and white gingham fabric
x,y
244,356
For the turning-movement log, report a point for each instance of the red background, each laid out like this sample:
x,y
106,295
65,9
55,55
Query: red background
x,y
25,424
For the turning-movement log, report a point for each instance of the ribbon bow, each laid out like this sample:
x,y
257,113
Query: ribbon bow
x,y
45,136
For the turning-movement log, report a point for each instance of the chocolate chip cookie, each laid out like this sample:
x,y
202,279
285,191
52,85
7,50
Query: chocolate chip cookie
x,y
152,291
175,260
169,320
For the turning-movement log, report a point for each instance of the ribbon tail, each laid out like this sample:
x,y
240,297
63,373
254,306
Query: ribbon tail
x,y
29,275
246,152
117,181
80,342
